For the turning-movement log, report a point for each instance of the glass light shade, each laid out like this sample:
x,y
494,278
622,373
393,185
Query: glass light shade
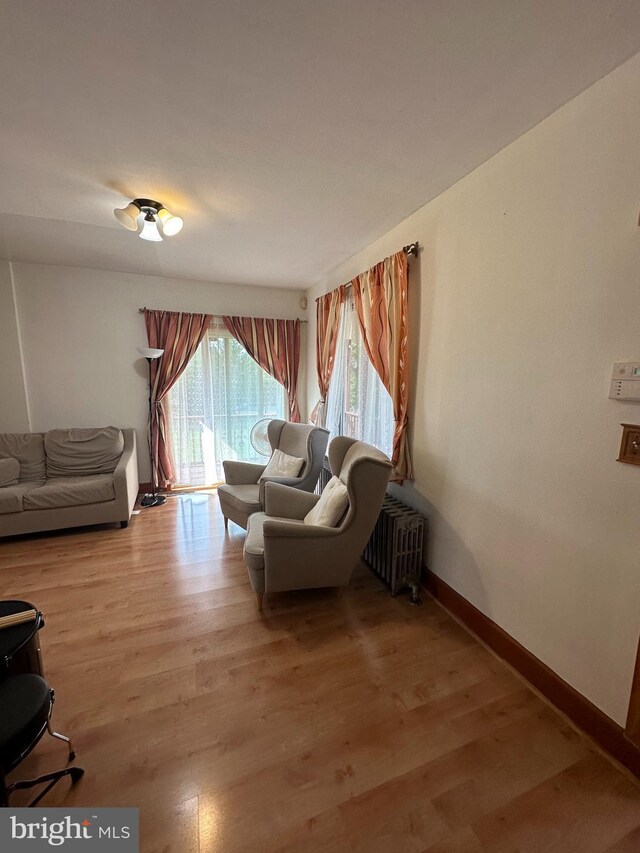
x,y
150,230
128,216
150,352
170,224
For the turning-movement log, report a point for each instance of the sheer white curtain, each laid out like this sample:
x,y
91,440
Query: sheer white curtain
x,y
214,405
358,405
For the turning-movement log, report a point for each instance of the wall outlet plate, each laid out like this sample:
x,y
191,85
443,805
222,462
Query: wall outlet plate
x,y
630,445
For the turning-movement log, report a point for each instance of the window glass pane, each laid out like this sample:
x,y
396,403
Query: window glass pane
x,y
214,405
358,405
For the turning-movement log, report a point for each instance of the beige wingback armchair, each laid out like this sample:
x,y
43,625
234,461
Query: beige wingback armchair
x,y
243,493
282,552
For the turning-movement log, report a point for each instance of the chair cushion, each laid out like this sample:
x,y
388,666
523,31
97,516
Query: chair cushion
x,y
254,540
332,505
244,498
28,449
82,452
25,701
282,465
11,497
70,491
9,471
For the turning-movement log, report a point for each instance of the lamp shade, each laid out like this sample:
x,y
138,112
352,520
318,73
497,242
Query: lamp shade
x,y
150,352
150,230
170,224
128,216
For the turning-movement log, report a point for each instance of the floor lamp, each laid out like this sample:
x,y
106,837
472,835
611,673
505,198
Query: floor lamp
x,y
151,498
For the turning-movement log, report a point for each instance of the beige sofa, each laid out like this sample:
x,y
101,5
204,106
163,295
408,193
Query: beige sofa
x,y
66,478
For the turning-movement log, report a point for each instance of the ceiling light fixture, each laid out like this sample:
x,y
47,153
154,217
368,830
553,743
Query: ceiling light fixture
x,y
150,229
153,211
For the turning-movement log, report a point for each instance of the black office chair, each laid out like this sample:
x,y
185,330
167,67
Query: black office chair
x,y
26,703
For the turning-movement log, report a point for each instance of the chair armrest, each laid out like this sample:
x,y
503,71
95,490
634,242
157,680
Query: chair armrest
x,y
280,528
241,473
282,501
282,481
125,476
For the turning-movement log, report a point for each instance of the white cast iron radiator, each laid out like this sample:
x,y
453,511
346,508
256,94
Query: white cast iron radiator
x,y
394,550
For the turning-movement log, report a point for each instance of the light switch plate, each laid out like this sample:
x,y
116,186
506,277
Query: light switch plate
x,y
625,381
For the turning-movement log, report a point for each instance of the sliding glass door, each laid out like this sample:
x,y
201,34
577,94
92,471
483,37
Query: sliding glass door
x,y
214,405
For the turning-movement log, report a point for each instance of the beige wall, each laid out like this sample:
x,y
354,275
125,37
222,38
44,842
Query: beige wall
x,y
80,329
526,292
14,413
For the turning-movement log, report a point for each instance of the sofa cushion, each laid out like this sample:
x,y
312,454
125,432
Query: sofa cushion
x,y
9,472
11,496
70,491
83,452
28,449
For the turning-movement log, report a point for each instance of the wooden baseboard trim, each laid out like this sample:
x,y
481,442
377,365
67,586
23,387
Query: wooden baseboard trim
x,y
606,733
145,488
633,717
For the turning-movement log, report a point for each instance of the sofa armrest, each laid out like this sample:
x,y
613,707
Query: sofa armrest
x,y
125,476
282,501
241,473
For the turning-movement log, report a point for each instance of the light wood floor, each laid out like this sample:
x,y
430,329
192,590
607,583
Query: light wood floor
x,y
329,724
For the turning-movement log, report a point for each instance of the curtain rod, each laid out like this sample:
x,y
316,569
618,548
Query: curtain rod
x,y
410,249
215,316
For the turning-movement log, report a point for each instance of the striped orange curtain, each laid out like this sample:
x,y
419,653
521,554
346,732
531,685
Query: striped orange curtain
x,y
328,314
380,297
179,335
275,345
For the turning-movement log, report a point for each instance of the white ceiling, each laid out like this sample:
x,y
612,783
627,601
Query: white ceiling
x,y
288,134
